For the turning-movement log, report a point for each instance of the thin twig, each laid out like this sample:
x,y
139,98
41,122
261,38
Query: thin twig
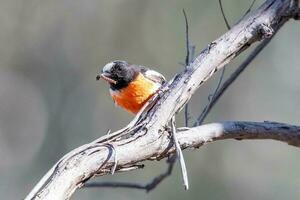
x,y
114,185
187,62
250,7
193,51
179,155
231,79
70,173
157,180
210,97
216,94
201,117
148,187
187,42
223,14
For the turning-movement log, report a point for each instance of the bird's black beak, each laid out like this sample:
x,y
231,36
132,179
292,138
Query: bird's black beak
x,y
98,77
106,76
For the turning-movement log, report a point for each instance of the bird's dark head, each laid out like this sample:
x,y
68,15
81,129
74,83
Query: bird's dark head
x,y
118,74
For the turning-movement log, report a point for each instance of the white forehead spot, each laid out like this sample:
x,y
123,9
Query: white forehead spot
x,y
108,67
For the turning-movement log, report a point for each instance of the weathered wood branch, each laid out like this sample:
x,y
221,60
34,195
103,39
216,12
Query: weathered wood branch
x,y
220,90
146,138
188,138
240,130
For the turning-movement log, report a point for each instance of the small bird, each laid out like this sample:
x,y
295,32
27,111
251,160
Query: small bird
x,y
131,86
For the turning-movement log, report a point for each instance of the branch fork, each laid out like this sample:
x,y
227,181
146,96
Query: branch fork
x,y
148,139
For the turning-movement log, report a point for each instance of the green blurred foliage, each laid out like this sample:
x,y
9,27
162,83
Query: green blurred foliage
x,y
50,102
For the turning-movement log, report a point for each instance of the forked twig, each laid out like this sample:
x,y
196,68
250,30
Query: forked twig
x,y
230,80
210,97
148,187
219,91
86,161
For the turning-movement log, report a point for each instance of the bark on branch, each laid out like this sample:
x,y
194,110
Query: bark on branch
x,y
146,137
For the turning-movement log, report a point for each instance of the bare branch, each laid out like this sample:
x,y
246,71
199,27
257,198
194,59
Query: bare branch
x,y
220,91
241,130
212,96
198,136
146,138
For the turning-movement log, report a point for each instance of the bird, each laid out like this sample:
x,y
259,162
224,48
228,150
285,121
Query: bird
x,y
131,86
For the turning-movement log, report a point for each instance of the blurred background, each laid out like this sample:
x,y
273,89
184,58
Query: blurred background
x,y
50,102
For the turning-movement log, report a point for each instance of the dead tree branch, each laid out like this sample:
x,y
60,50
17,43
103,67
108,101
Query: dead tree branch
x,y
188,138
198,136
220,90
146,138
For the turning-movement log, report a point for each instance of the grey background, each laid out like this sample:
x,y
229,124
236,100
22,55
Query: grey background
x,y
50,102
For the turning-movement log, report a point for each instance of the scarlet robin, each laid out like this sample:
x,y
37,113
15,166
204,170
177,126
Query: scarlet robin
x,y
131,85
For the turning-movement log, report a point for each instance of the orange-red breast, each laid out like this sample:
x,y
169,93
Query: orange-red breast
x,y
130,85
